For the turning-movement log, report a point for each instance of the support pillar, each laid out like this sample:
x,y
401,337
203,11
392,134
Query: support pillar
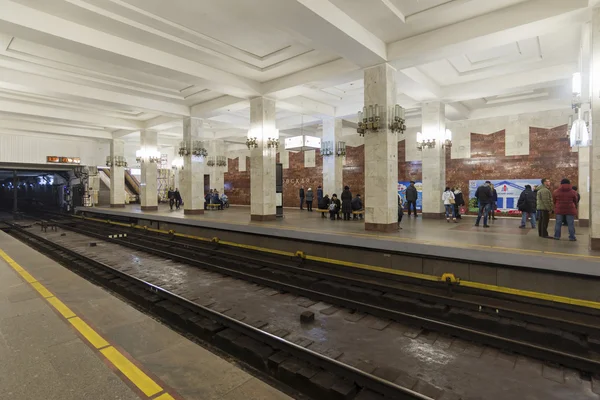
x,y
434,159
117,175
583,155
332,165
262,160
149,171
381,153
595,134
217,174
191,178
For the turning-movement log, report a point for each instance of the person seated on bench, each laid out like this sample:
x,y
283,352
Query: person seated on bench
x,y
334,207
324,204
225,200
207,199
217,200
357,205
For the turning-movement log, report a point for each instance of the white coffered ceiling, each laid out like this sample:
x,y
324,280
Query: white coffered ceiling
x,y
109,68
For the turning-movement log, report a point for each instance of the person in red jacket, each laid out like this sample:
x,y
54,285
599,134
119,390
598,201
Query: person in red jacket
x,y
565,207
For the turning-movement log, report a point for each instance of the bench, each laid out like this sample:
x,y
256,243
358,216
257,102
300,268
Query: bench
x,y
360,213
213,206
323,212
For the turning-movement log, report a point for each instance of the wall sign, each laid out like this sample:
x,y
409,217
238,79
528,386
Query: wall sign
x,y
63,160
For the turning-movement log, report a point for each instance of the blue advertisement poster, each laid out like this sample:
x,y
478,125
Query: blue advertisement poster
x,y
508,191
402,192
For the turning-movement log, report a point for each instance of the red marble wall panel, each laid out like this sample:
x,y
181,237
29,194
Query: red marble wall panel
x,y
486,146
408,170
297,176
353,173
237,184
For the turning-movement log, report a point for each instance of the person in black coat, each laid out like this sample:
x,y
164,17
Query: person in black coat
x,y
334,207
301,198
459,201
412,195
527,204
324,204
171,197
178,199
346,203
357,205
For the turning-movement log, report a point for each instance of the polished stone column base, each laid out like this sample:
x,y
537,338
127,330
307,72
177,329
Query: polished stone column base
x,y
595,244
433,215
370,226
117,206
584,223
193,212
149,208
255,217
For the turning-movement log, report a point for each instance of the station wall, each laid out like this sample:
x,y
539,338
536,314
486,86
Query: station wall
x,y
489,156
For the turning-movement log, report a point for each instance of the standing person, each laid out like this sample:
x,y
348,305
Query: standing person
x,y
565,207
171,197
484,198
319,194
483,194
346,203
459,201
357,205
527,204
334,207
494,205
302,198
545,206
401,210
178,200
309,199
449,201
324,204
411,197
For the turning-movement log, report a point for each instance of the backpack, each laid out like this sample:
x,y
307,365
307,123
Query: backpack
x,y
332,207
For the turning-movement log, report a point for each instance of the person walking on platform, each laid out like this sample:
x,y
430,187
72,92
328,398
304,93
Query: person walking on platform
x,y
324,204
449,201
309,199
302,198
459,201
545,207
565,207
411,197
357,205
178,200
334,207
319,194
483,194
346,203
171,197
527,205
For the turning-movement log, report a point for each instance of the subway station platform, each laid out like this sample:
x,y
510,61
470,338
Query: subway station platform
x,y
63,338
504,243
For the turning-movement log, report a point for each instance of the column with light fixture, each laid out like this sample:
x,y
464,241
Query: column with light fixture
x,y
191,177
594,181
381,149
333,153
117,174
432,141
263,139
149,157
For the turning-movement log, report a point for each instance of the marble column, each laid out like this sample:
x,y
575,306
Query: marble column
x,y
93,185
583,153
262,160
332,165
434,159
191,178
117,175
381,153
217,174
149,172
595,134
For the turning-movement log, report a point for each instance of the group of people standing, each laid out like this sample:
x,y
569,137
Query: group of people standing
x,y
174,198
344,205
563,202
453,199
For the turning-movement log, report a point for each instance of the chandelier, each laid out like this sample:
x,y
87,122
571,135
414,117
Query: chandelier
x,y
273,143
145,155
398,120
429,140
198,149
578,132
221,161
252,142
177,164
341,149
368,120
184,149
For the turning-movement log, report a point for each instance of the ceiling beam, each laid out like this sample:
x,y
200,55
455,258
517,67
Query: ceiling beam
x,y
38,127
162,122
325,27
303,105
507,25
218,106
54,113
457,112
35,20
394,10
121,133
521,108
32,83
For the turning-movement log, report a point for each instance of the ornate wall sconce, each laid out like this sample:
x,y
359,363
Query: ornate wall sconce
x,y
368,120
398,120
144,155
340,149
273,143
177,164
326,149
252,142
210,161
117,161
184,149
429,142
221,161
198,149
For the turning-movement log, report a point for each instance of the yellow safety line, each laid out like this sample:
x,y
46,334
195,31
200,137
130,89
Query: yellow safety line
x,y
476,285
136,376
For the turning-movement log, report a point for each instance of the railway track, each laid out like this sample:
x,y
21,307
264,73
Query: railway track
x,y
553,335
